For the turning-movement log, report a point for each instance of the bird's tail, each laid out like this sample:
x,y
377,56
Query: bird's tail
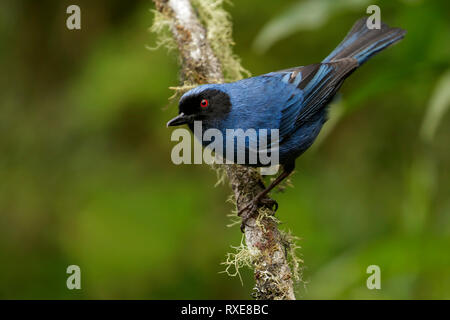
x,y
362,43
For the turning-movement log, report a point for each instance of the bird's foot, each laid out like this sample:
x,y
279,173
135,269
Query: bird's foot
x,y
251,209
269,203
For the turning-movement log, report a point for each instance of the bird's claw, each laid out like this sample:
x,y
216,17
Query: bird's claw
x,y
269,203
251,209
247,212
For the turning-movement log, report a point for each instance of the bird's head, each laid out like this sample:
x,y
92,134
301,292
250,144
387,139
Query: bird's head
x,y
206,102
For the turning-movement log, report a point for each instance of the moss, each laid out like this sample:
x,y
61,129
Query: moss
x,y
267,285
234,219
161,27
242,257
265,214
219,33
221,173
290,243
180,90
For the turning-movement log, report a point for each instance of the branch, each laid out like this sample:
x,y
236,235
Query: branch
x,y
267,245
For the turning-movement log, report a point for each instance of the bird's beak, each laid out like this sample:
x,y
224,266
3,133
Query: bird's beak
x,y
179,120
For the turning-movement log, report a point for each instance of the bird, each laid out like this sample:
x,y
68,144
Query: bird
x,y
294,101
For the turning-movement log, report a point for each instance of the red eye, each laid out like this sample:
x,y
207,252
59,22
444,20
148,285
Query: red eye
x,y
204,103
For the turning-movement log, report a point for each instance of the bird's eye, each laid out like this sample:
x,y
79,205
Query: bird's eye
x,y
204,103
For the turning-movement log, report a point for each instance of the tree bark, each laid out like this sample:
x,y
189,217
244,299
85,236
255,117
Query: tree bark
x,y
273,276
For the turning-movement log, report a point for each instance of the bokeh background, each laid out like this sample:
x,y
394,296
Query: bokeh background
x,y
86,176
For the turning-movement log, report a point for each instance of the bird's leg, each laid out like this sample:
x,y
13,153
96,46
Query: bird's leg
x,y
252,206
260,196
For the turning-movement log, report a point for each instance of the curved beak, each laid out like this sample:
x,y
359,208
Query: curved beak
x,y
178,120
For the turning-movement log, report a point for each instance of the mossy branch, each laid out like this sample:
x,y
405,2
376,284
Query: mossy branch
x,y
203,39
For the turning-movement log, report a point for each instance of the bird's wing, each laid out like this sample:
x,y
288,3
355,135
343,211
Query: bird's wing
x,y
316,85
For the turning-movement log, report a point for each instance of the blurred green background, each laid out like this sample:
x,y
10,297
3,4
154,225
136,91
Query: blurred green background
x,y
86,176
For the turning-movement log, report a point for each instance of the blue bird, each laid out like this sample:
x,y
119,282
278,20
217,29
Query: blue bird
x,y
294,101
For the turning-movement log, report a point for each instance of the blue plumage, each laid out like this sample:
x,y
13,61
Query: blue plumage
x,y
294,101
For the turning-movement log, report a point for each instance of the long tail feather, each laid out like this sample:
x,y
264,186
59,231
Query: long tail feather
x,y
362,43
